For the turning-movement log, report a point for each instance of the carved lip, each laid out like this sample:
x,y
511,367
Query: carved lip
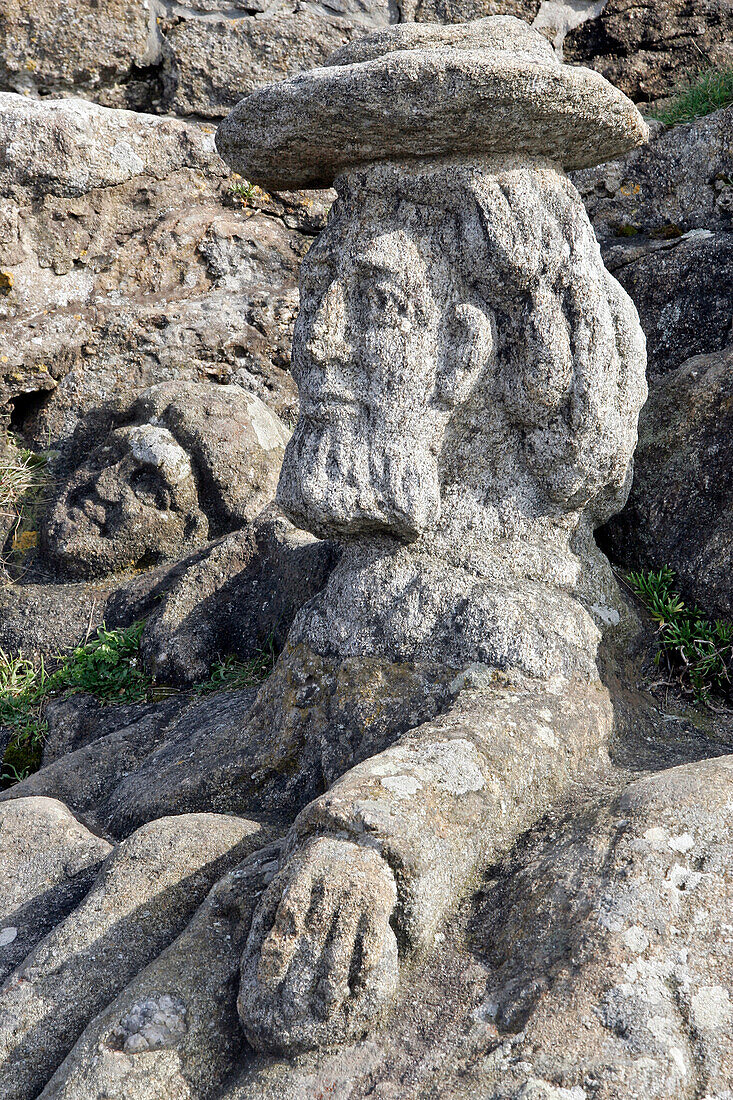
x,y
312,408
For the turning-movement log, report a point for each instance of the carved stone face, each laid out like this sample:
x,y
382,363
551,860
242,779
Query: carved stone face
x,y
468,370
133,500
382,353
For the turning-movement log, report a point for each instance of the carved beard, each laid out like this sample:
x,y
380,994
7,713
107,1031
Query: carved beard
x,y
342,477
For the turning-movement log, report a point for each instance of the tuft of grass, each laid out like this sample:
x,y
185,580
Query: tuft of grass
x,y
20,478
243,192
106,666
698,652
710,91
24,482
23,688
230,673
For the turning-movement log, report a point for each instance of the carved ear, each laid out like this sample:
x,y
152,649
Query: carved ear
x,y
468,345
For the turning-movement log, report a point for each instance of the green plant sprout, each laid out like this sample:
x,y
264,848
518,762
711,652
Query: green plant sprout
x,y
697,651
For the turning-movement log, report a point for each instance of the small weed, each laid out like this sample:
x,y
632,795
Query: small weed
x,y
712,90
243,192
105,666
230,673
697,651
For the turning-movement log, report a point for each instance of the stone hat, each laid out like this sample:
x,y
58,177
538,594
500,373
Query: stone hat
x,y
417,90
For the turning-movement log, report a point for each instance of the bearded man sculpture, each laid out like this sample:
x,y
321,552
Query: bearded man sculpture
x,y
470,379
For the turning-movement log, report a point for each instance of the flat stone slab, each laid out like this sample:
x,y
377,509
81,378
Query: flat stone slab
x,y
486,88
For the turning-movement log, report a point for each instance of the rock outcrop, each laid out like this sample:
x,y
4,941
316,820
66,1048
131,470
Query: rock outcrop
x,y
664,216
679,513
648,50
122,269
202,57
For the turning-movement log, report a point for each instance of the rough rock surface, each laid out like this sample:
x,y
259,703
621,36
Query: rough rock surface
x,y
508,94
201,57
594,963
113,755
215,61
174,1030
231,597
194,59
97,49
143,897
189,461
679,512
648,49
239,599
663,215
678,180
122,268
48,861
604,932
664,218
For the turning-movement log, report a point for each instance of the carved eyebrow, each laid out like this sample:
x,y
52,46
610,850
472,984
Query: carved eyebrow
x,y
378,268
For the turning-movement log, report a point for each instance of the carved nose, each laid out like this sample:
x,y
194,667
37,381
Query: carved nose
x,y
326,340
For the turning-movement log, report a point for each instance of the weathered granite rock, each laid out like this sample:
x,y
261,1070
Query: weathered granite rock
x,y
142,899
173,1031
41,619
212,62
304,131
192,460
123,269
75,721
648,51
68,147
663,217
101,50
595,961
679,513
676,182
48,861
611,967
684,293
239,599
470,379
85,776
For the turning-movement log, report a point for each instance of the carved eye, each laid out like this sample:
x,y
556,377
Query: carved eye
x,y
150,489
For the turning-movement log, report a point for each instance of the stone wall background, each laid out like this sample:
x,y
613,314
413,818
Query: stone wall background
x,y
197,59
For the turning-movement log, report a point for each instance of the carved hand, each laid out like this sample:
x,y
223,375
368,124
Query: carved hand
x,y
320,965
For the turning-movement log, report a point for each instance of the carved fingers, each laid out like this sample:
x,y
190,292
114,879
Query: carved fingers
x,y
320,963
